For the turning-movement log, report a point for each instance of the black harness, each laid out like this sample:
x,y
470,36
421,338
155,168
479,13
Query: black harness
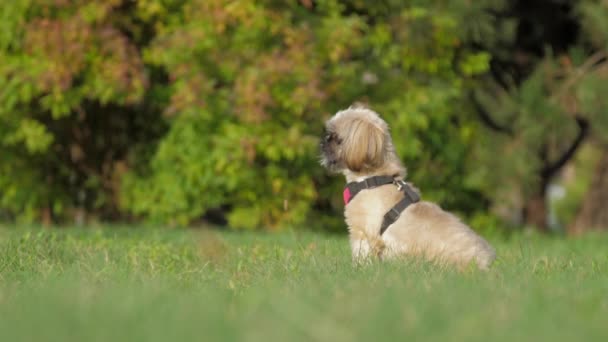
x,y
409,196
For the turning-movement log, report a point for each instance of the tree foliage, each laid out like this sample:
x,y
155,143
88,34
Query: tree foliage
x,y
175,110
544,98
76,100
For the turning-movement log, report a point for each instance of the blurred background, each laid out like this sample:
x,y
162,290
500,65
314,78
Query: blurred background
x,y
209,112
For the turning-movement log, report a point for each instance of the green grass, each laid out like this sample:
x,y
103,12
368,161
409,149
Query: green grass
x,y
168,285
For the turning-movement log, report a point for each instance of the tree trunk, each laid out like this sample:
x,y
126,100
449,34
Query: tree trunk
x,y
535,211
46,216
593,213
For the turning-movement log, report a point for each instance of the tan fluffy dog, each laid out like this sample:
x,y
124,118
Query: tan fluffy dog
x,y
358,145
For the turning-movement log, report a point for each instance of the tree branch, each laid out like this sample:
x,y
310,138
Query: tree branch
x,y
552,167
592,62
486,118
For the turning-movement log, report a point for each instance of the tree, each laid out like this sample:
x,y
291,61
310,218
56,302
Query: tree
x,y
252,82
590,95
537,110
177,110
76,103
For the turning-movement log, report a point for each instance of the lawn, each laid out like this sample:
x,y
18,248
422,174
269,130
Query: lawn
x,y
149,284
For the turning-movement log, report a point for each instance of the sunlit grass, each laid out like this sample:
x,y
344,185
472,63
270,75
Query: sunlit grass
x,y
170,285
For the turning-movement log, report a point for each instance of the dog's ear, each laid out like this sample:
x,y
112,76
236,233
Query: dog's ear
x,y
364,146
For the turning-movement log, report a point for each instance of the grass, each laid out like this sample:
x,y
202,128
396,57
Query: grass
x,y
170,285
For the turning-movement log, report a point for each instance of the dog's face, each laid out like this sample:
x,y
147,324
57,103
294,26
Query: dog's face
x,y
357,140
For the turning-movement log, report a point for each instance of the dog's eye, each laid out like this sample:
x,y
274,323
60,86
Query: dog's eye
x,y
333,137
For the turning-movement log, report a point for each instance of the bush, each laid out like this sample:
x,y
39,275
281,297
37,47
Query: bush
x,y
166,110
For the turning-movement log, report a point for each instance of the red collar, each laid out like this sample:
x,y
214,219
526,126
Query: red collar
x,y
346,195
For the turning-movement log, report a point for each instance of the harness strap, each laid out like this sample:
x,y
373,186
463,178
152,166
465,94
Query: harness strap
x,y
410,197
353,188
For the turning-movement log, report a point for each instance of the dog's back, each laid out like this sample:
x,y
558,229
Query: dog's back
x,y
423,229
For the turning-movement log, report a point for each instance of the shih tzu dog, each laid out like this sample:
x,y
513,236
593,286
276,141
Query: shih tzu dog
x,y
384,214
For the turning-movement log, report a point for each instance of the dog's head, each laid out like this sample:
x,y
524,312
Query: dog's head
x,y
357,140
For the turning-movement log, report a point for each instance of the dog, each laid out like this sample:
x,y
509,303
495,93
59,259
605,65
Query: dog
x,y
387,219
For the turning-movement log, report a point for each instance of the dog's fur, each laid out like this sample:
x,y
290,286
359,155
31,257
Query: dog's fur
x,y
358,144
